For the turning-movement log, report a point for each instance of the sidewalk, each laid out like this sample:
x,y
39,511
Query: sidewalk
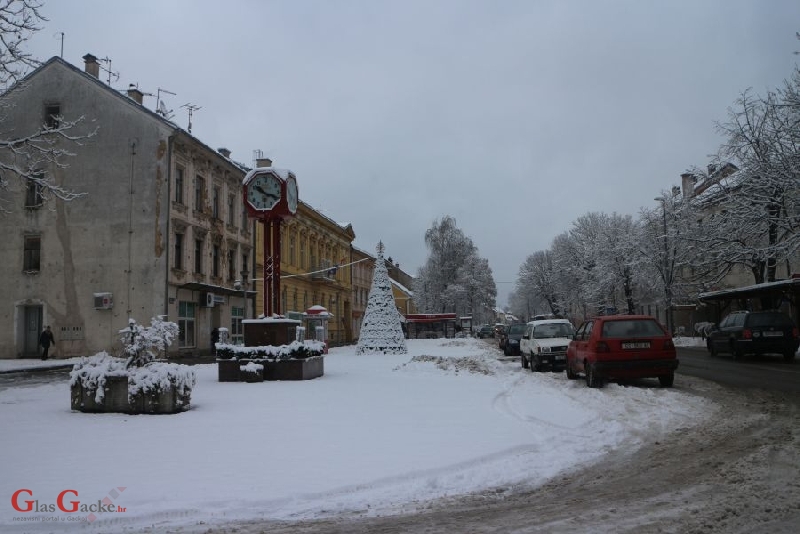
x,y
32,364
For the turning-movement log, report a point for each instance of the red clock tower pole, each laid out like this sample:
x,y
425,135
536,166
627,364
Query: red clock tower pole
x,y
272,265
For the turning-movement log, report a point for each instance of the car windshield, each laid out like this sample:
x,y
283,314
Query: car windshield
x,y
633,328
516,329
551,330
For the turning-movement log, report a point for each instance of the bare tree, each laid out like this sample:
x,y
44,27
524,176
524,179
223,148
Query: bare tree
x,y
29,158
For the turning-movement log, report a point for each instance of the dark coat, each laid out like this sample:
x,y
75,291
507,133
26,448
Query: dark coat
x,y
46,338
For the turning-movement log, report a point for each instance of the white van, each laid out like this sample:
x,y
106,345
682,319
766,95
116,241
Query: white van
x,y
544,344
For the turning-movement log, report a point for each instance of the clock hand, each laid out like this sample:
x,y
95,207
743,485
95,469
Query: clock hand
x,y
260,190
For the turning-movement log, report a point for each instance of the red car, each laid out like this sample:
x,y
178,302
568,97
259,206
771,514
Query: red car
x,y
618,347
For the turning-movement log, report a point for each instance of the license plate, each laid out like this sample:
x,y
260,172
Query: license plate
x,y
562,357
636,345
773,334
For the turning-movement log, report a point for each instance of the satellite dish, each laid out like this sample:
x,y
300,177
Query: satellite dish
x,y
162,110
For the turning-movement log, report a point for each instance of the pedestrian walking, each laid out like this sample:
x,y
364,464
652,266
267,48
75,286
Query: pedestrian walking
x,y
45,340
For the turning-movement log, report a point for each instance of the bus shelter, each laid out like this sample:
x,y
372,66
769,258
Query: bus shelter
x,y
431,325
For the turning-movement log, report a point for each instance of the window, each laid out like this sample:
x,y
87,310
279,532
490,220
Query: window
x,y
231,265
32,252
198,256
237,332
33,194
305,300
292,241
244,263
179,185
231,209
245,227
294,299
178,263
215,203
215,261
186,314
199,186
302,253
52,116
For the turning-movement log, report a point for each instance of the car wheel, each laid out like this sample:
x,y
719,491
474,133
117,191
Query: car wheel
x,y
789,355
572,375
713,349
592,380
666,381
524,361
534,364
505,352
737,352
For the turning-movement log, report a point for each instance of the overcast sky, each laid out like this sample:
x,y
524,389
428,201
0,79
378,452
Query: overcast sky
x,y
514,117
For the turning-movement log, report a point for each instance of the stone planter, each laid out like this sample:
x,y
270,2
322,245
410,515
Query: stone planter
x,y
300,369
116,399
228,370
252,372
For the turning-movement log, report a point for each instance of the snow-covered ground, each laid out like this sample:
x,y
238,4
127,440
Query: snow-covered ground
x,y
374,435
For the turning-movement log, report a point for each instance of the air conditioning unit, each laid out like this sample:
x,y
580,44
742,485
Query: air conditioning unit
x,y
207,300
103,301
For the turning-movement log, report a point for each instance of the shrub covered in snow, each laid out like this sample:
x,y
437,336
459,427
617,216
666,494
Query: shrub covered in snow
x,y
294,350
144,343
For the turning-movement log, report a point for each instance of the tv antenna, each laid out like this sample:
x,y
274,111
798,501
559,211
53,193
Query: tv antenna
x,y
110,72
60,35
192,108
161,108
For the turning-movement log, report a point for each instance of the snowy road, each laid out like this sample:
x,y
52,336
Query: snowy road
x,y
737,475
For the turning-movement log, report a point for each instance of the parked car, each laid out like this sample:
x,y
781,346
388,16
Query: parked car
x,y
543,345
757,332
486,331
511,337
618,347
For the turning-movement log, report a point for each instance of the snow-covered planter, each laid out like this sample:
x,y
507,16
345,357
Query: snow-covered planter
x,y
252,372
135,384
299,360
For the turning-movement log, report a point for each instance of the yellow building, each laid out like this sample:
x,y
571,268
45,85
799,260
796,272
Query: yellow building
x,y
315,269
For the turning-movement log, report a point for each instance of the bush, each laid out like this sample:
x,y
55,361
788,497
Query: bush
x,y
292,351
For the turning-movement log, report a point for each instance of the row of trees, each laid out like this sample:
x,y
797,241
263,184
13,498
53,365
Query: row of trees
x,y
741,212
454,279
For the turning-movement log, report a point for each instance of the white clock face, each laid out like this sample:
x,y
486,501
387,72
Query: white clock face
x,y
291,194
264,191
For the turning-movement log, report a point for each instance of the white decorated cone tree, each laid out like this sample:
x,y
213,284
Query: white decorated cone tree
x,y
381,331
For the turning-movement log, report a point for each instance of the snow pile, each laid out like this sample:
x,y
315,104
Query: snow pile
x,y
381,332
445,363
251,367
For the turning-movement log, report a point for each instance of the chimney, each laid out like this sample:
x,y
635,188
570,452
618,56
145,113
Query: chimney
x,y
225,152
687,184
135,94
91,66
263,162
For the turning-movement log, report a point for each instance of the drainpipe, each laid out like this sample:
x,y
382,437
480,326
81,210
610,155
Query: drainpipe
x,y
170,140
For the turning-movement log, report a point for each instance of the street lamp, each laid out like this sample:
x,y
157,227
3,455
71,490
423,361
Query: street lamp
x,y
667,276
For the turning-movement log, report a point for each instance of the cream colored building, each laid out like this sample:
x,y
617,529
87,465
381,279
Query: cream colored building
x,y
160,230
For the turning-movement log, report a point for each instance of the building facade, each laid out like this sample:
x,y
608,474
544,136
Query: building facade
x,y
160,230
